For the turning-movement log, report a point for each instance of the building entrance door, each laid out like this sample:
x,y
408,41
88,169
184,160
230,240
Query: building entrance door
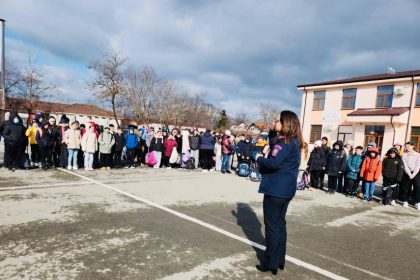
x,y
375,133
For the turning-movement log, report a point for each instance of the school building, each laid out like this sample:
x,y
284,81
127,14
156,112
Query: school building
x,y
382,108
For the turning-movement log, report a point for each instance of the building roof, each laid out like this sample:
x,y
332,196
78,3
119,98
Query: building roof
x,y
379,112
52,107
367,78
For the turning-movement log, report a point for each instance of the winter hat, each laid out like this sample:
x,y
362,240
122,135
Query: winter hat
x,y
318,143
44,123
38,116
371,144
374,150
64,120
51,118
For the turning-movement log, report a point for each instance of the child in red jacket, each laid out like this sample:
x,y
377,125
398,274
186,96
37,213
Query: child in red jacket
x,y
370,172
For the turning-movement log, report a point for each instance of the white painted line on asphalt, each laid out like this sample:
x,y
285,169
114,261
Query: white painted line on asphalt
x,y
306,265
44,186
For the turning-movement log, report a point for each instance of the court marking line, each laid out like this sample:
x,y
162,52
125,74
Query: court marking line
x,y
293,260
44,186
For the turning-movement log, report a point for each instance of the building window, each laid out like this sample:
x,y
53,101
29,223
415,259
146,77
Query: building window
x,y
384,96
375,134
418,95
345,133
415,137
316,131
349,99
319,101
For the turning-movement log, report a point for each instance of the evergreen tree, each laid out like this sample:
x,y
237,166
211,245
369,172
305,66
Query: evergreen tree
x,y
223,122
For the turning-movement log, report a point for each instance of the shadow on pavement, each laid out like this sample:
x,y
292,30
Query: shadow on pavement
x,y
247,219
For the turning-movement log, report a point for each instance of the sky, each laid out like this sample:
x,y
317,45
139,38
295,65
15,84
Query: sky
x,y
240,53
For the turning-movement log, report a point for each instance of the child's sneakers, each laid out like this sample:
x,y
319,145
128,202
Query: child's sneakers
x,y
405,204
69,168
393,202
418,206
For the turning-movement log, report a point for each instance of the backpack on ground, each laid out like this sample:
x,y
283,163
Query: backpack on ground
x,y
151,159
190,164
255,174
303,181
243,169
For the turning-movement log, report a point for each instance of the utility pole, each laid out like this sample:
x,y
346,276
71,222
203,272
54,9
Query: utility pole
x,y
2,71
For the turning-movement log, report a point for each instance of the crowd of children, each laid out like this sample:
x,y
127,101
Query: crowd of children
x,y
71,145
347,167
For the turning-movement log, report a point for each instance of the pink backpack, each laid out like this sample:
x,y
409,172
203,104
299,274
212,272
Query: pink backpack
x,y
151,159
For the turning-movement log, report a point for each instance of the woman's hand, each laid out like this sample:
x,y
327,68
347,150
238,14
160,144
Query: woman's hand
x,y
266,149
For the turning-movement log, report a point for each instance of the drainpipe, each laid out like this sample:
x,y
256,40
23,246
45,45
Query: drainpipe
x,y
392,124
411,108
304,107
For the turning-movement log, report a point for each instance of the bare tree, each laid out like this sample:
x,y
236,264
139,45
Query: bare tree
x,y
141,90
13,79
268,112
29,87
108,85
240,118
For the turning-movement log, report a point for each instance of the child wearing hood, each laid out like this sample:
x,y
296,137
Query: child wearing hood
x,y
316,164
392,173
336,165
370,172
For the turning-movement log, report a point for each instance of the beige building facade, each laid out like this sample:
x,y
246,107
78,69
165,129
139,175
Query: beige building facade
x,y
383,108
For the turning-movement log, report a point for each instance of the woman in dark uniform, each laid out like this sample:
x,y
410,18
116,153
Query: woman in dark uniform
x,y
279,169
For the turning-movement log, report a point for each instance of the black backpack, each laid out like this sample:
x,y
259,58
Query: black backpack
x,y
190,164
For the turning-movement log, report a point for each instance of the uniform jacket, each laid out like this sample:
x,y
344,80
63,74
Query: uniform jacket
x,y
156,144
245,149
280,170
45,137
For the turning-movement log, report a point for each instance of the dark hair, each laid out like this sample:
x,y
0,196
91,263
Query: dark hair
x,y
410,143
359,148
291,127
111,125
324,138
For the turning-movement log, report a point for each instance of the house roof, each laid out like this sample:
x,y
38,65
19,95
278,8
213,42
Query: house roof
x,y
379,112
367,78
52,107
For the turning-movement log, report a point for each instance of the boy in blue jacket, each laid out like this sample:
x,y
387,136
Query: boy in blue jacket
x,y
131,144
352,171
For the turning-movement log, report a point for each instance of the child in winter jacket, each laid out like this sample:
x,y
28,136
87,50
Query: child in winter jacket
x,y
106,141
45,139
119,147
336,165
370,172
89,146
316,163
392,172
352,171
156,146
131,143
73,139
31,134
411,177
169,146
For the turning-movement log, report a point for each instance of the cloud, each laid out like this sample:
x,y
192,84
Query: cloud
x,y
239,52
